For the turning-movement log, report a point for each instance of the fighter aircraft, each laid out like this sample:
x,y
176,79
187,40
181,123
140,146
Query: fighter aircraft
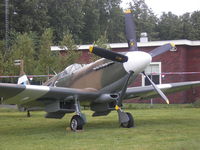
x,y
102,85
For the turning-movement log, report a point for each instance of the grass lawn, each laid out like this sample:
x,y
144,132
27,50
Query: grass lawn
x,y
175,128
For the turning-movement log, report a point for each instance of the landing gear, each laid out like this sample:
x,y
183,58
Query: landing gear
x,y
130,123
76,123
28,113
125,119
78,120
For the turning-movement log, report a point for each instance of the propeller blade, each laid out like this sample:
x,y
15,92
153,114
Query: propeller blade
x,y
161,49
157,89
108,54
119,102
130,31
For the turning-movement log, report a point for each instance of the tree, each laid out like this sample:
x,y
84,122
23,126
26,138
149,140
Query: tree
x,y
1,57
195,20
101,42
91,27
6,64
71,54
105,15
115,30
66,16
23,49
2,17
145,20
169,27
111,19
46,57
29,16
186,26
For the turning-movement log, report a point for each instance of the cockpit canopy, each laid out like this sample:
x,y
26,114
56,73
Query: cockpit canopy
x,y
72,69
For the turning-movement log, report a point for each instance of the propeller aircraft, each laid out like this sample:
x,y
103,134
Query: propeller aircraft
x,y
102,85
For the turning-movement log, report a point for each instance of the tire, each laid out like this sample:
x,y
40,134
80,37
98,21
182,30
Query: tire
x,y
76,123
130,123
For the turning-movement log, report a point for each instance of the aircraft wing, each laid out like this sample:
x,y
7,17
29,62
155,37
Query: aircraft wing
x,y
24,94
145,92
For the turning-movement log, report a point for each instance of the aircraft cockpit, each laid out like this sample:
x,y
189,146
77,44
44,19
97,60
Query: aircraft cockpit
x,y
72,69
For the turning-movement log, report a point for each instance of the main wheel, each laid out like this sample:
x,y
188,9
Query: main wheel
x,y
130,123
76,123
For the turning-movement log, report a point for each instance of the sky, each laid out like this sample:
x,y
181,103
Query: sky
x,y
177,7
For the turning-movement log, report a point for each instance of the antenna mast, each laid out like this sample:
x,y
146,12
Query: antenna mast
x,y
6,25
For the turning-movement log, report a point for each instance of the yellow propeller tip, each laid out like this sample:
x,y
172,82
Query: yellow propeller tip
x,y
128,11
172,44
117,107
91,49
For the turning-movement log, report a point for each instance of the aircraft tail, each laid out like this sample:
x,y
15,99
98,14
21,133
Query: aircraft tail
x,y
23,80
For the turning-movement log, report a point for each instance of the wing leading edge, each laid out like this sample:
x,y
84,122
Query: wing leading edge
x,y
146,92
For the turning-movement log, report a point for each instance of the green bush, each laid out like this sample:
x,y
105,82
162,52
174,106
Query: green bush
x,y
197,103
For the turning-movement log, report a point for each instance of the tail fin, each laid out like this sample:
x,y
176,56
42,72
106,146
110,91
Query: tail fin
x,y
23,80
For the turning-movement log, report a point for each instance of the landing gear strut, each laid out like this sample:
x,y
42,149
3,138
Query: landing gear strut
x,y
28,113
125,119
78,120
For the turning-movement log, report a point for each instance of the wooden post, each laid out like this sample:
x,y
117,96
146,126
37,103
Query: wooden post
x,y
22,67
20,63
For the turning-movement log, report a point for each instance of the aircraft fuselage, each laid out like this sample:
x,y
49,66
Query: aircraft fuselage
x,y
102,75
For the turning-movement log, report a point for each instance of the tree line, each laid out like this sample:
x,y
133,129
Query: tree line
x,y
35,25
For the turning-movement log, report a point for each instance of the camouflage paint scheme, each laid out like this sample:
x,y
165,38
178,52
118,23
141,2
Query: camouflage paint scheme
x,y
88,83
102,85
88,79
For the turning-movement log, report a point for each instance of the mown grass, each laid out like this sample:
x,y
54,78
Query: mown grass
x,y
175,127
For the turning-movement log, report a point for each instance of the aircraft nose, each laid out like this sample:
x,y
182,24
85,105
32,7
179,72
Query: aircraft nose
x,y
137,61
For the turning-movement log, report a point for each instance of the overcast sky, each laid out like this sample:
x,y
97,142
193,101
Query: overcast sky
x,y
177,7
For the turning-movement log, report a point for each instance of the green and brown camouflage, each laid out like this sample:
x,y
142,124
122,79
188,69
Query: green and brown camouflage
x,y
102,85
92,77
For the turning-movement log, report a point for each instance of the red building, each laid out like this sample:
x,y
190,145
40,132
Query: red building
x,y
177,65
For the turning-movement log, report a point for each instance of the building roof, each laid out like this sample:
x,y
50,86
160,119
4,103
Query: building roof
x,y
140,44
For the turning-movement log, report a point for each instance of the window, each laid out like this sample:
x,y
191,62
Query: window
x,y
151,70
